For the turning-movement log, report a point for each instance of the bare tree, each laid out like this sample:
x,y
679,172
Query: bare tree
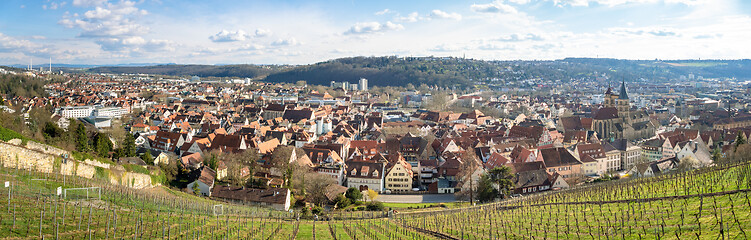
x,y
315,186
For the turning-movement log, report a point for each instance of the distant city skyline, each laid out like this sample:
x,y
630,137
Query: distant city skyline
x,y
100,32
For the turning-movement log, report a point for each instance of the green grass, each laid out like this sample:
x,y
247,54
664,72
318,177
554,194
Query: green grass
x,y
7,134
135,168
623,209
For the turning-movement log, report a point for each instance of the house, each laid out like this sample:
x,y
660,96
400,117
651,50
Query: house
x,y
164,158
594,158
531,181
334,170
366,175
696,150
561,161
649,169
276,198
228,143
613,157
630,153
322,156
558,182
205,181
442,185
167,141
399,175
539,134
192,161
221,170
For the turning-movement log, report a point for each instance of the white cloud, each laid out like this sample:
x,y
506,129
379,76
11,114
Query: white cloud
x,y
88,3
251,46
263,32
108,21
441,14
373,27
448,48
286,42
54,5
412,17
612,3
10,44
520,38
135,44
229,36
384,11
494,7
645,31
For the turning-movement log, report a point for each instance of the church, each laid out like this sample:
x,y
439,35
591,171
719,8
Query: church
x,y
617,120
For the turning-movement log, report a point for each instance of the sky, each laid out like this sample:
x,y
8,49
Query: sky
x,y
101,32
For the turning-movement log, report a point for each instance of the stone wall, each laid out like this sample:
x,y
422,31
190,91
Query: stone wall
x,y
13,156
46,149
97,163
135,180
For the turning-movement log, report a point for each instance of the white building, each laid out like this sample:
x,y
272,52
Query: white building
x,y
76,112
363,84
110,112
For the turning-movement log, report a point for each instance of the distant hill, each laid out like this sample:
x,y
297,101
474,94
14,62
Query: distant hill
x,y
452,72
242,70
672,69
392,71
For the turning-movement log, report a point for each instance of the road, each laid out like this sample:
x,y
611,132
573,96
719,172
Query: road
x,y
415,198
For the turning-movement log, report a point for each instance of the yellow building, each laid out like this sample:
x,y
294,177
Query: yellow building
x,y
399,176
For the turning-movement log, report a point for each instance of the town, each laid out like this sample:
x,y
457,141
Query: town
x,y
236,140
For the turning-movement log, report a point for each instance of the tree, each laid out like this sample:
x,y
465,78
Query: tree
x,y
211,159
502,178
716,155
51,130
146,157
372,195
129,145
170,169
82,139
485,190
739,140
375,206
341,201
316,186
196,190
468,167
353,194
102,145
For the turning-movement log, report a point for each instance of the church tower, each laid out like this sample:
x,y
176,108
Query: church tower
x,y
623,104
610,99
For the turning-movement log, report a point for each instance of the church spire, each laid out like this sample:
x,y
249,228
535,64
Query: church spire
x,y
623,94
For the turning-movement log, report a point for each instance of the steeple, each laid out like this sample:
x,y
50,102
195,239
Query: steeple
x,y
623,94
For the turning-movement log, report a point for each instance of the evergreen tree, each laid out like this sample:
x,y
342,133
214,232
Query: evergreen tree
x,y
82,139
353,194
129,145
485,190
102,144
146,157
502,176
739,140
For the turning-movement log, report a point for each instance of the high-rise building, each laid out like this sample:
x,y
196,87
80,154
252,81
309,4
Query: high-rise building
x,y
363,84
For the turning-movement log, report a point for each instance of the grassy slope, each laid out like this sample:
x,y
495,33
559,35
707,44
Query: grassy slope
x,y
668,207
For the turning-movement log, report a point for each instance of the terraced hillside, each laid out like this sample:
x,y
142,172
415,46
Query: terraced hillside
x,y
711,203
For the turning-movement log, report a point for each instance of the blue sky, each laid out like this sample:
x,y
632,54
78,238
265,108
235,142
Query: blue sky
x,y
300,32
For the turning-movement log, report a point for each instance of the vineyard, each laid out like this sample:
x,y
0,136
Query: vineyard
x,y
710,203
